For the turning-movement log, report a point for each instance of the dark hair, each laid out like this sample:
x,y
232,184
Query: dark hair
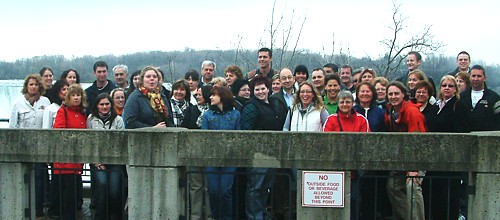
x,y
346,66
465,77
478,67
226,97
372,89
332,77
334,67
258,80
95,111
131,86
206,92
66,72
56,88
237,84
401,87
321,70
193,74
181,83
303,69
162,74
417,55
100,63
463,52
265,49
44,69
427,85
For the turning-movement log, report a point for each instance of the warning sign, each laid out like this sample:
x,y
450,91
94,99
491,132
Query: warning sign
x,y
322,189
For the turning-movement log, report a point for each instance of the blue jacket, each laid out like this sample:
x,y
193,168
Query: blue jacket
x,y
138,112
375,117
219,120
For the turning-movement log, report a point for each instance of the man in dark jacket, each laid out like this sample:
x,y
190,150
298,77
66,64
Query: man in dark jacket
x,y
100,85
463,62
285,95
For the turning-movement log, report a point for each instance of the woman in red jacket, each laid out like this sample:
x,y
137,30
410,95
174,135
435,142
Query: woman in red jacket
x,y
68,175
402,115
348,120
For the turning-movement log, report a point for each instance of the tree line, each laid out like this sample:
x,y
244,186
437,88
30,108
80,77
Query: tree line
x,y
176,63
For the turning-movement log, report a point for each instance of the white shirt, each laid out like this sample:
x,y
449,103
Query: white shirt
x,y
23,115
49,115
476,96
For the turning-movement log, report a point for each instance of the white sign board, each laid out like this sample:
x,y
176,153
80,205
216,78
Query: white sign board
x,y
322,189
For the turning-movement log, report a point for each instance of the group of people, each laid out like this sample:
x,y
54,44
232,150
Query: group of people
x,y
333,100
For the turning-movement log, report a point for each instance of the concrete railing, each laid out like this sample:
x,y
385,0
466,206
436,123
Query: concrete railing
x,y
155,156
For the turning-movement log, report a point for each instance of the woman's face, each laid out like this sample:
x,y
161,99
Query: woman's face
x,y
215,99
119,99
63,92
261,92
150,81
395,96
365,95
422,95
199,97
47,78
71,78
381,91
76,99
244,91
412,81
306,95
230,78
33,87
135,80
276,86
367,77
448,89
332,89
103,106
462,86
180,93
345,105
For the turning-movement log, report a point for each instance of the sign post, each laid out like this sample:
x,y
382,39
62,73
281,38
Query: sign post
x,y
323,189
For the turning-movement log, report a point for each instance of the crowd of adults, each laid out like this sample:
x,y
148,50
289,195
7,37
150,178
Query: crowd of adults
x,y
335,99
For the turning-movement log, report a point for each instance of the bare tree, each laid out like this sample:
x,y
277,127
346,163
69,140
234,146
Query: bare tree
x,y
398,47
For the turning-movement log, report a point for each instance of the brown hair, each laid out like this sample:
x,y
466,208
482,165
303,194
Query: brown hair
x,y
75,89
39,81
235,70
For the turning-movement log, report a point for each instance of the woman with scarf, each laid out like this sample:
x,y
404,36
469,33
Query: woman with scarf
x,y
118,97
109,178
180,99
68,176
147,106
241,93
27,112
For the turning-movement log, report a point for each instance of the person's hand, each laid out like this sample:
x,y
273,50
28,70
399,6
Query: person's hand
x,y
417,181
160,125
100,166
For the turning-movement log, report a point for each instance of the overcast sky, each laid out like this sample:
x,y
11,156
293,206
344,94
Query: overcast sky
x,y
67,27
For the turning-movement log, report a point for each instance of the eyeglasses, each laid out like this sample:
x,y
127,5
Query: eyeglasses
x,y
447,85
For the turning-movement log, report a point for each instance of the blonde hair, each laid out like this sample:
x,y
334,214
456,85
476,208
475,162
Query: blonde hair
x,y
75,89
221,81
317,100
450,78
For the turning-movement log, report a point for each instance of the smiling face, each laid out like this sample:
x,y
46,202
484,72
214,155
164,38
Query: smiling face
x,y
63,92
71,78
345,75
244,91
286,79
422,95
47,78
365,95
276,85
381,90
448,89
199,97
150,81
367,77
104,106
119,99
332,89
463,62
345,105
318,80
395,96
179,93
306,95
412,63
300,77
412,81
264,59
261,92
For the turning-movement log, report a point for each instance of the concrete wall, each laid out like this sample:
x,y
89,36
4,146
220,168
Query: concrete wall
x,y
156,154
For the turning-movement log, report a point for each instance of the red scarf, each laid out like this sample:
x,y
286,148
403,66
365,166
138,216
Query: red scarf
x,y
156,103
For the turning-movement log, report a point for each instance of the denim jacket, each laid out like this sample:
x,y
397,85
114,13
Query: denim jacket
x,y
221,120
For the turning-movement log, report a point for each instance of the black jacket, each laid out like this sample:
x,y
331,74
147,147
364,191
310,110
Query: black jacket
x,y
486,115
453,117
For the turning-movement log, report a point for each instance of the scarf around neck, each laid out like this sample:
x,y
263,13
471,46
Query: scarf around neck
x,y
159,110
32,99
178,109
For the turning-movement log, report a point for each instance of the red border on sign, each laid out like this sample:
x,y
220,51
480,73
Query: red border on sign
x,y
325,172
